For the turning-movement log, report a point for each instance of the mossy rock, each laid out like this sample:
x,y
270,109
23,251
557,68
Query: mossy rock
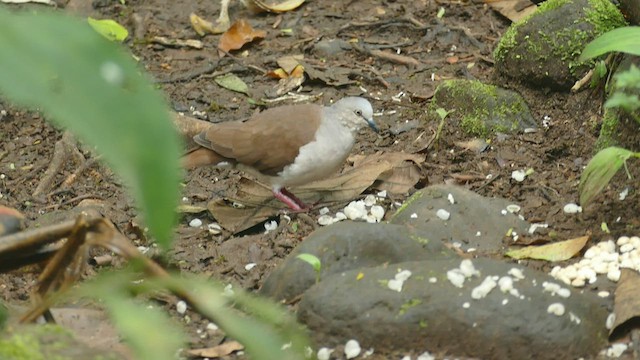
x,y
482,109
543,48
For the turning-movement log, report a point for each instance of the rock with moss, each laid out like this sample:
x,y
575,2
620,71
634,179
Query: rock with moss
x,y
543,48
482,109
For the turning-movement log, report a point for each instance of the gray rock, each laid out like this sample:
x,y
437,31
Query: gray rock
x,y
543,49
434,316
345,246
331,48
482,109
470,215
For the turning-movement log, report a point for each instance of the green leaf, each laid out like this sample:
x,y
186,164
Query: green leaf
x,y
604,165
312,260
87,84
233,83
109,29
628,102
625,39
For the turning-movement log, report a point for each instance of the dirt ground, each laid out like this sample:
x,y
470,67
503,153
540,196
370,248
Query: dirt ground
x,y
458,45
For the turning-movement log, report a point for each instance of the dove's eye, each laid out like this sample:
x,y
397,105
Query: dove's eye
x,y
358,112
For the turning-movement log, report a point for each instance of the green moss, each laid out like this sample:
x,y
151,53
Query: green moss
x,y
508,40
406,203
566,44
19,347
610,123
36,342
419,239
408,305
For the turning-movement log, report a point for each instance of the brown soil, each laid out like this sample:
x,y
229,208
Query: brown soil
x,y
457,46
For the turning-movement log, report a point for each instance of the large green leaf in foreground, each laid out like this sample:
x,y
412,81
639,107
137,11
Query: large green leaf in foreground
x,y
84,83
625,39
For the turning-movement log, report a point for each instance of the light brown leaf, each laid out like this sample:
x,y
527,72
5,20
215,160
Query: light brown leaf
x,y
240,33
203,27
259,5
513,10
558,251
627,303
223,349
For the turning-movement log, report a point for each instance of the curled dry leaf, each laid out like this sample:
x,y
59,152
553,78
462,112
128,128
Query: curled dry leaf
x,y
261,6
221,350
627,304
240,33
203,27
558,251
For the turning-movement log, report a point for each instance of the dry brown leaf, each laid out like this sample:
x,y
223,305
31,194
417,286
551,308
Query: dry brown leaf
x,y
240,33
260,6
513,10
223,349
627,304
558,251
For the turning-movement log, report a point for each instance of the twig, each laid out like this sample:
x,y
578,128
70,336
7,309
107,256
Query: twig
x,y
64,148
190,75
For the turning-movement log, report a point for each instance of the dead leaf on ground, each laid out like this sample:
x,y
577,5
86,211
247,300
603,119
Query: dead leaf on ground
x,y
334,76
240,33
627,304
223,349
558,251
203,27
260,6
513,10
395,172
289,67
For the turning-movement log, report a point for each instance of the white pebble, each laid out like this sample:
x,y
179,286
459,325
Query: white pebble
x,y
468,269
603,294
270,226
250,266
556,309
622,240
425,356
370,200
536,226
563,292
505,284
325,210
608,246
616,350
181,307
482,290
340,216
572,208
214,229
518,175
378,212
613,275
443,214
324,353
456,277
212,327
626,248
516,273
325,220
195,223
513,208
414,216
635,241
451,199
578,282
611,320
466,305
433,280
382,194
352,349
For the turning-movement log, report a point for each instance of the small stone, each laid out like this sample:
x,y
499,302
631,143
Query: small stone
x,y
556,309
572,208
195,223
443,214
352,349
270,226
382,194
250,266
325,220
181,307
324,353
325,210
513,208
378,212
370,200
518,175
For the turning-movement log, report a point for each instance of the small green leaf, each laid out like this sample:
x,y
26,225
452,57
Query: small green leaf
x,y
233,83
624,39
604,227
109,29
604,165
442,113
312,260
